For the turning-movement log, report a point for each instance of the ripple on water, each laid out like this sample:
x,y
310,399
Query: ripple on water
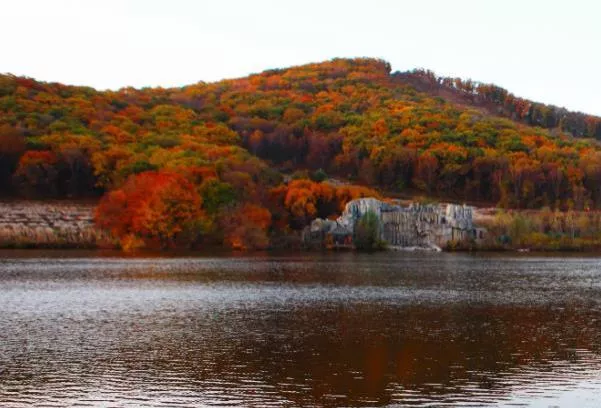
x,y
341,329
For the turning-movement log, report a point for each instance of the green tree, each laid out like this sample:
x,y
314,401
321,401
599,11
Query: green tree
x,y
367,233
319,176
217,194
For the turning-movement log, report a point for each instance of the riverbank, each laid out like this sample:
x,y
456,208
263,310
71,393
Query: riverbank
x,y
66,225
32,224
543,230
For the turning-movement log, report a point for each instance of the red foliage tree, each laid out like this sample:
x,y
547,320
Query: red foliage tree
x,y
36,174
245,227
426,172
153,208
305,199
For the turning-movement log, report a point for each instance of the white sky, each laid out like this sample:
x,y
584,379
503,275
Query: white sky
x,y
546,50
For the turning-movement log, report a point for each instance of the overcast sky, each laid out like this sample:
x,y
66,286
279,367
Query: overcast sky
x,y
546,50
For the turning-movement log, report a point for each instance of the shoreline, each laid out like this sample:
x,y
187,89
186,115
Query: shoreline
x,y
69,225
71,246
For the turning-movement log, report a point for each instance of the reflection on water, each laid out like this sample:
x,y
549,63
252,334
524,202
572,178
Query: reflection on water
x,y
309,330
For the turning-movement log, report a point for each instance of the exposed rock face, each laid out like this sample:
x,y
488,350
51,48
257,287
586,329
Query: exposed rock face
x,y
356,209
426,225
418,225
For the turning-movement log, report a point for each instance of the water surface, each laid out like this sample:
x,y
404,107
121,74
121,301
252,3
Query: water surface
x,y
77,329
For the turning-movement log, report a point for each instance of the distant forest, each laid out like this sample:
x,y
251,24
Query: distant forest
x,y
499,101
237,161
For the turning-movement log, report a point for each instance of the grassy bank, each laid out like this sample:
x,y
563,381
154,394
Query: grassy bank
x,y
32,224
24,237
540,230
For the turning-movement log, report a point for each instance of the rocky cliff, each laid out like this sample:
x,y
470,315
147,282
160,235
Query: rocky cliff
x,y
414,226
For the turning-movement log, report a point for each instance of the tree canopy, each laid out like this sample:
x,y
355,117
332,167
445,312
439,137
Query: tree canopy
x,y
234,145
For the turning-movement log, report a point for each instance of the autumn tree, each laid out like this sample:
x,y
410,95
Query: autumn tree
x,y
12,146
306,200
245,227
426,172
153,209
36,175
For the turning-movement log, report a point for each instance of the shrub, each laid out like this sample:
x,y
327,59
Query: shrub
x,y
367,233
319,176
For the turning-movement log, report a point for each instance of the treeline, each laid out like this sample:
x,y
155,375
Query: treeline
x,y
502,102
242,152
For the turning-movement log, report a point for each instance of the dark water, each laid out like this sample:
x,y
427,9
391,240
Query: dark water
x,y
320,330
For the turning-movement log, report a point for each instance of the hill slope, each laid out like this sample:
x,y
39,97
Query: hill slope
x,y
498,101
232,140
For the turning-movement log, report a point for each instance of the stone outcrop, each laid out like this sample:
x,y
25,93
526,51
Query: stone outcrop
x,y
414,226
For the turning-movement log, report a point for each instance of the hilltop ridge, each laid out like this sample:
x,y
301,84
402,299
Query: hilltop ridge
x,y
499,101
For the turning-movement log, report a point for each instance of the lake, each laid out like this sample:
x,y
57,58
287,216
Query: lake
x,y
336,329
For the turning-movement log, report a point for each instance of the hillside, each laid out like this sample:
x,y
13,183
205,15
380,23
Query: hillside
x,y
213,156
495,100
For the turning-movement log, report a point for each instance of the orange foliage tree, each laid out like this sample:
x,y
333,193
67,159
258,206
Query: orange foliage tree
x,y
36,174
153,208
305,200
245,227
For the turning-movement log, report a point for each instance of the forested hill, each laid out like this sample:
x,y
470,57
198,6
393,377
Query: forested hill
x,y
230,143
499,101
